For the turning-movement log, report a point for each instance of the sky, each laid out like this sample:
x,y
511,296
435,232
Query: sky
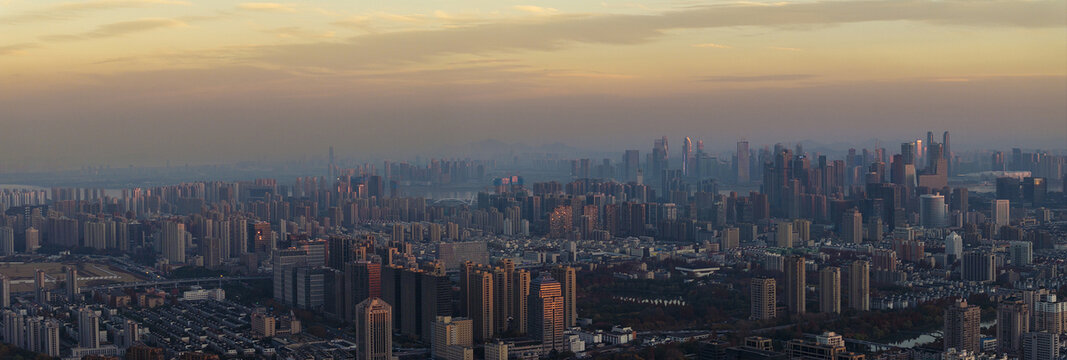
x,y
142,82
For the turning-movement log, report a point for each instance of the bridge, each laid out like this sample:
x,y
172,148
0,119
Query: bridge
x,y
178,282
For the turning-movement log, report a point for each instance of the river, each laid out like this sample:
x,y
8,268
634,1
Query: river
x,y
932,336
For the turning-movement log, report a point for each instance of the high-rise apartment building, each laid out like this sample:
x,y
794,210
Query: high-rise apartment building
x,y
546,313
1000,213
962,326
1040,345
830,290
979,266
452,338
480,304
520,297
795,284
362,280
73,290
852,226
783,234
1013,320
859,285
88,328
566,277
953,247
1022,253
1049,315
763,296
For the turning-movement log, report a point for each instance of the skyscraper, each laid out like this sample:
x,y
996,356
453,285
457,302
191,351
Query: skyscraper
x,y
795,284
962,323
763,296
741,162
687,154
659,156
830,290
546,313
631,163
566,277
374,330
859,288
1013,320
946,151
932,211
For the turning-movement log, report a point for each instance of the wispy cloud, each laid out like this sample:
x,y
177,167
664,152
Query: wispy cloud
x,y
69,10
266,6
118,29
535,9
16,48
563,30
298,32
779,48
712,45
757,78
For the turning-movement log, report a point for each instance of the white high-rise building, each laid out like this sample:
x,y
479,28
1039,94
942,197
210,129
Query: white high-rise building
x,y
953,247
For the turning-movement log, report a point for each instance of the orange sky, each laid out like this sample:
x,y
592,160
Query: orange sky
x,y
86,82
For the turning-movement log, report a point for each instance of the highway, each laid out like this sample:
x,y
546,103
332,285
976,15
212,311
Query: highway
x,y
177,282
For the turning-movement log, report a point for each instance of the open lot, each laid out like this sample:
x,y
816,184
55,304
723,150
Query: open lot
x,y
89,274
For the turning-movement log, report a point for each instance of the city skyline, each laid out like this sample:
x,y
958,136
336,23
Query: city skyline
x,y
123,82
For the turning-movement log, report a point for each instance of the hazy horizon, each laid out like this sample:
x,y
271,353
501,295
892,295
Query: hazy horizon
x,y
144,82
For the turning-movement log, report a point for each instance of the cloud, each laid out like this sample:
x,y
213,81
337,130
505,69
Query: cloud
x,y
534,9
298,32
118,29
756,78
266,6
69,10
16,48
712,45
779,48
562,30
